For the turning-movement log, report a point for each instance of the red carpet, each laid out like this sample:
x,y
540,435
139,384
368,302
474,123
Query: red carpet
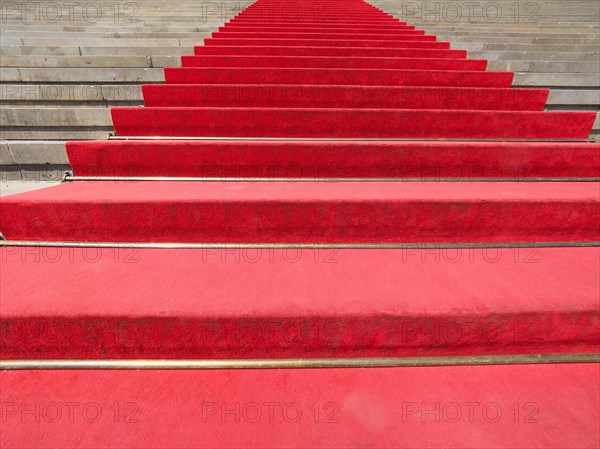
x,y
318,96
311,212
326,159
317,92
414,42
331,52
310,34
358,303
364,77
366,123
324,62
443,407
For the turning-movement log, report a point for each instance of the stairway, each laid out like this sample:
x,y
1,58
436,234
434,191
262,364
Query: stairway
x,y
326,229
61,76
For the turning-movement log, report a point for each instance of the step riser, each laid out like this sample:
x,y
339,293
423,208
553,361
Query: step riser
x,y
408,43
269,338
391,23
326,30
363,77
346,63
331,51
333,160
356,123
301,219
290,96
315,35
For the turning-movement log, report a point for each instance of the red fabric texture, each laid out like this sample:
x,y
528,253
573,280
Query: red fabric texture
x,y
326,159
273,303
400,43
311,212
533,406
331,51
315,96
339,62
350,123
363,77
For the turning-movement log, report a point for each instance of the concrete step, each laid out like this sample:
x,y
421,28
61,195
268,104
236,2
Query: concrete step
x,y
55,123
22,95
110,35
79,75
535,56
93,51
527,47
103,42
36,162
580,80
51,94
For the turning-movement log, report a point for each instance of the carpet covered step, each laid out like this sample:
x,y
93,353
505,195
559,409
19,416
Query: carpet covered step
x,y
377,22
350,123
332,96
364,77
330,51
338,62
341,408
326,159
250,28
400,43
308,212
224,303
231,33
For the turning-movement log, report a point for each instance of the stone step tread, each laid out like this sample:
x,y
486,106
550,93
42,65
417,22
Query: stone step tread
x,y
90,74
43,50
48,93
148,61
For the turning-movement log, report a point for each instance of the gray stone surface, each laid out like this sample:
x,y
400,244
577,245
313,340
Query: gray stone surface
x,y
59,78
15,186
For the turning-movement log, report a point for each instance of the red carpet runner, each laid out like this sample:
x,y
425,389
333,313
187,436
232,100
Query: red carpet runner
x,y
482,242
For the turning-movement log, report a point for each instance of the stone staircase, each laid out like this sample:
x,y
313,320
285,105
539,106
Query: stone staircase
x,y
331,230
62,70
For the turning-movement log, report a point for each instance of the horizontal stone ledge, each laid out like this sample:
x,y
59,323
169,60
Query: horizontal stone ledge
x,y
109,35
83,92
122,28
76,61
42,50
78,75
49,133
519,39
72,117
525,47
106,42
42,153
556,80
535,56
